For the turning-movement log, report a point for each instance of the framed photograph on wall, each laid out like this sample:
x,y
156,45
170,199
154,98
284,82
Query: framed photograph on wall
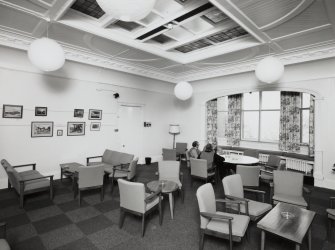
x,y
78,113
95,126
12,111
95,114
42,129
60,132
41,111
75,128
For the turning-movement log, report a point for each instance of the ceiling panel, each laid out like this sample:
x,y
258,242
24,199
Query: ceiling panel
x,y
88,7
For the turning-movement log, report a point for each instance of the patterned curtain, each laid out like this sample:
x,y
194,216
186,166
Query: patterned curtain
x,y
311,126
212,117
289,132
233,130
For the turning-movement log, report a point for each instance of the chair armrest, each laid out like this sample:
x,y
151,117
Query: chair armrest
x,y
266,171
237,198
26,165
37,178
215,216
231,202
119,168
152,196
254,191
92,157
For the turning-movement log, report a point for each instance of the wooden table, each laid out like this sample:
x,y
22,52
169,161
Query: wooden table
x,y
70,170
293,229
168,187
240,159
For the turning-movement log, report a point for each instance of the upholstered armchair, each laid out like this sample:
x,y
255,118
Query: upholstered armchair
x,y
249,175
288,187
134,199
199,170
251,152
274,162
169,154
331,216
3,242
170,171
233,189
181,150
126,171
27,182
220,224
91,177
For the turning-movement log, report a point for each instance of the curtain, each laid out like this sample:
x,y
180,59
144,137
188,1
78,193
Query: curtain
x,y
311,126
289,132
233,130
212,116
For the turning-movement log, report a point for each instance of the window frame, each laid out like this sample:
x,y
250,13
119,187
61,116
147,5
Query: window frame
x,y
301,119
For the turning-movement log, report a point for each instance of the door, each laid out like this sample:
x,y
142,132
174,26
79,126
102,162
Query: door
x,y
130,129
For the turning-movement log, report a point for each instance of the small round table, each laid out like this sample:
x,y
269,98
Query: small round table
x,y
168,187
240,159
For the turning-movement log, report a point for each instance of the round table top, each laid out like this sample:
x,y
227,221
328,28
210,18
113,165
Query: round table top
x,y
240,159
167,186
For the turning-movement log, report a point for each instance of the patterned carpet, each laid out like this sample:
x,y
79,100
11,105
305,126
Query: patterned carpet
x,y
62,224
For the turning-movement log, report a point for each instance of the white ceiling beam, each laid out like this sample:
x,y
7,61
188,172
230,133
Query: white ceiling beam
x,y
58,10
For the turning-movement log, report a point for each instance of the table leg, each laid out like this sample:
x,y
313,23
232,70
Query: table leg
x,y
262,240
310,238
297,246
171,201
61,174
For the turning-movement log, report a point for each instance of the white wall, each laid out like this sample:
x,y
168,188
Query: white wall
x,y
317,78
75,86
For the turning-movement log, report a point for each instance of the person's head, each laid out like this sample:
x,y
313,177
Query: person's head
x,y
209,148
195,144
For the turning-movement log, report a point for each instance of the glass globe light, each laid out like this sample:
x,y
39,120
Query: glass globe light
x,y
269,69
46,54
127,10
183,90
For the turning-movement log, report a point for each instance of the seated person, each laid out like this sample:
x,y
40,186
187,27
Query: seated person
x,y
208,154
194,152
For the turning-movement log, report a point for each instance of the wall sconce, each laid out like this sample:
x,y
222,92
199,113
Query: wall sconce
x,y
147,124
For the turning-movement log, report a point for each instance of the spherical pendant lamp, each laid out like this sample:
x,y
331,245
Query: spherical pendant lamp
x,y
269,69
127,10
46,54
183,90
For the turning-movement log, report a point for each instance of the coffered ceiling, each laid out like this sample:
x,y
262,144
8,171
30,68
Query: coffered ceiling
x,y
179,39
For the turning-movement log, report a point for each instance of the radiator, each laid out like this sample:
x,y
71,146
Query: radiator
x,y
263,158
299,165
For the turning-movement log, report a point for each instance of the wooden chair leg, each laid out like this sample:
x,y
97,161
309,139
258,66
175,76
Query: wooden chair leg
x,y
102,193
182,194
79,197
112,184
329,231
51,188
9,186
201,242
160,210
143,224
21,200
121,220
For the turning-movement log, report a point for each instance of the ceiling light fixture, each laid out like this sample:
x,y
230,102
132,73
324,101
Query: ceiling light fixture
x,y
270,69
127,10
183,90
46,54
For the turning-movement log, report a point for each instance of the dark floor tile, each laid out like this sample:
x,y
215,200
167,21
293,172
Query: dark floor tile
x,y
6,194
20,233
10,211
46,225
10,202
36,203
107,205
72,205
34,243
82,214
43,213
17,220
94,224
81,244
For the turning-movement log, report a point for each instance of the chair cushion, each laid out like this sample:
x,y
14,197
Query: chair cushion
x,y
292,199
4,244
119,174
125,158
239,224
256,208
36,184
331,213
32,174
152,203
23,174
265,176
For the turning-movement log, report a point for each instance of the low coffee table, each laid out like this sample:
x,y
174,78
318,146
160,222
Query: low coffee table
x,y
168,187
70,170
293,228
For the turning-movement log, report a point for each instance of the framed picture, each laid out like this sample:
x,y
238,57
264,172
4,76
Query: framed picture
x,y
60,132
42,129
12,111
41,111
75,128
95,126
95,114
78,113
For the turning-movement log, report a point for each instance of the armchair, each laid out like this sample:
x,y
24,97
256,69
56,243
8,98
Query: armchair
x,y
249,175
181,149
125,171
170,171
233,189
199,170
169,154
91,177
273,163
134,199
27,182
331,216
3,242
288,187
219,224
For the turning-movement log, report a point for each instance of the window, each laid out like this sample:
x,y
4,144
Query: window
x,y
305,105
261,116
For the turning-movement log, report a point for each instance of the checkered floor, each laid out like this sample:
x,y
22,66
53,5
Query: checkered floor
x,y
62,224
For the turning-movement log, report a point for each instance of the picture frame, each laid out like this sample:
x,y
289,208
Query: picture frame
x,y
42,129
95,114
41,111
79,113
76,128
12,111
60,132
95,126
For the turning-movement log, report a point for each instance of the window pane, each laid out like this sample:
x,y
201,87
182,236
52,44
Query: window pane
x,y
251,101
270,125
250,125
306,100
305,126
271,100
222,103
